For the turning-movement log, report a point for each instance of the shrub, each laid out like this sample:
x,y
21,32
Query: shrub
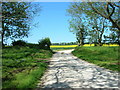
x,y
31,45
44,43
19,43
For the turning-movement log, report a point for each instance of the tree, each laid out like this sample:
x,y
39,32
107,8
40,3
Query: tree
x,y
93,37
109,10
98,25
81,23
112,37
115,34
81,35
99,10
77,24
44,43
19,43
15,20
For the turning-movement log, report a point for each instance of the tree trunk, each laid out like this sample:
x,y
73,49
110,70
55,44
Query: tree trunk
x,y
119,38
81,38
99,42
2,38
2,34
100,39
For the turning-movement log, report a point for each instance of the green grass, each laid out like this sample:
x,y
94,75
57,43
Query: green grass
x,y
106,57
61,48
22,67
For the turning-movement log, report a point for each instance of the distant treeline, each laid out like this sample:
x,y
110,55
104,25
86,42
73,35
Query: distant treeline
x,y
65,43
76,43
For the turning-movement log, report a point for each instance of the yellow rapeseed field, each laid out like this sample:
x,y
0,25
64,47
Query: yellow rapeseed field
x,y
110,45
55,46
67,46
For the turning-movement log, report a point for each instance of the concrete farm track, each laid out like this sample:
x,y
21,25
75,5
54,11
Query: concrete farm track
x,y
67,71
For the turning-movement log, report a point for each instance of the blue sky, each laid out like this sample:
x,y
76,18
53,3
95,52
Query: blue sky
x,y
52,23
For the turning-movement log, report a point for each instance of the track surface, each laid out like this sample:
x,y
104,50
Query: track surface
x,y
67,71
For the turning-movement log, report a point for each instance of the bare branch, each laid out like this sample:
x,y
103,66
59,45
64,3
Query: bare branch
x,y
115,5
97,11
107,8
107,16
113,10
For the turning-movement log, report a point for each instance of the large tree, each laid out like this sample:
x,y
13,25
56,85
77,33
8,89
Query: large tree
x,y
98,26
78,27
15,19
99,10
77,24
108,10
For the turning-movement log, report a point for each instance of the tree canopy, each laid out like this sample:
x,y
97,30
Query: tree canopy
x,y
15,19
99,17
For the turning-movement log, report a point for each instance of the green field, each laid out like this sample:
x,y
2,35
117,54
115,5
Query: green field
x,y
23,67
107,57
61,48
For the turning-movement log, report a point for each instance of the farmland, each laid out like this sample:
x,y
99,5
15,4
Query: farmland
x,y
23,66
63,47
68,46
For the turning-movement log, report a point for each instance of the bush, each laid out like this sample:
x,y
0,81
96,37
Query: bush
x,y
44,43
31,45
19,43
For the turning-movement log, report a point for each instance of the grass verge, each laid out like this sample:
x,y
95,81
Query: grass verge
x,y
22,67
107,57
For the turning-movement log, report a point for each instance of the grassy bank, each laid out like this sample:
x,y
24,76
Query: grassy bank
x,y
23,67
106,57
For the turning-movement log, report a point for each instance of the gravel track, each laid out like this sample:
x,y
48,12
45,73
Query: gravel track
x,y
67,71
